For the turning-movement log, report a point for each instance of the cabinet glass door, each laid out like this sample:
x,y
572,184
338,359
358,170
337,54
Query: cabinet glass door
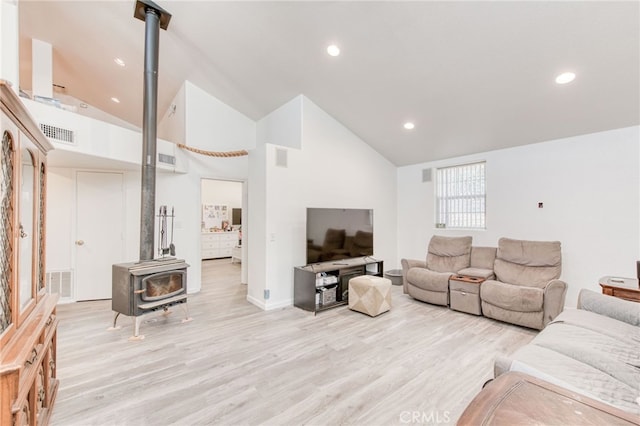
x,y
6,228
41,234
25,231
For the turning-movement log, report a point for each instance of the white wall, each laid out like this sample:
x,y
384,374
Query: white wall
x,y
9,64
590,187
222,192
213,125
256,245
172,125
333,168
60,202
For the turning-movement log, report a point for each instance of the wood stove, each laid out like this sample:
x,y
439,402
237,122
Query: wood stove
x,y
142,287
150,284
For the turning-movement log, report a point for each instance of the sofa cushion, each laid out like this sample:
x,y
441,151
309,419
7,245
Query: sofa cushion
x,y
600,323
528,263
477,272
483,257
428,280
619,358
510,297
448,254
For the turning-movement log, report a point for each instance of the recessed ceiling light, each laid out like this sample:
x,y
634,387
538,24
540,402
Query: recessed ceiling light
x,y
83,105
409,125
116,100
119,62
565,77
333,50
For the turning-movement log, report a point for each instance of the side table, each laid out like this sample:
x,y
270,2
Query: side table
x,y
520,399
622,288
464,292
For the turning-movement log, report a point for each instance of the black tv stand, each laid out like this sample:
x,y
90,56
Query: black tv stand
x,y
305,277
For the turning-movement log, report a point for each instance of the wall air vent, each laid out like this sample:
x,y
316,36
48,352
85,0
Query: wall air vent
x,y
167,159
60,282
426,175
281,157
58,133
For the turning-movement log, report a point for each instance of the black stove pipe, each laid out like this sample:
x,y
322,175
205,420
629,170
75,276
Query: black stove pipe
x,y
154,18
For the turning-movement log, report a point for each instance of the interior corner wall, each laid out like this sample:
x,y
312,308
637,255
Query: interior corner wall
x,y
256,228
283,125
333,168
214,126
172,125
590,187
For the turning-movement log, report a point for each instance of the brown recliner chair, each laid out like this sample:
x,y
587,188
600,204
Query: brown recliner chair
x,y
429,280
526,290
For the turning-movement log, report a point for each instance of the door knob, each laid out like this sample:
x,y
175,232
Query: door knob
x,y
79,242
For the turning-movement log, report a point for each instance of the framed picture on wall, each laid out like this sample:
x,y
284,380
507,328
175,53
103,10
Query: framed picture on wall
x,y
213,215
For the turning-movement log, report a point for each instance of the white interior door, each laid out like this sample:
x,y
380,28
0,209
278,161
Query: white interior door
x,y
99,232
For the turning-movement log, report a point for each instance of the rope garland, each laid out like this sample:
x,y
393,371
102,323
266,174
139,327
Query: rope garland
x,y
240,153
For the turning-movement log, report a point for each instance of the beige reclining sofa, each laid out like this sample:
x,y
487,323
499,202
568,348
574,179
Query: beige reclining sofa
x,y
522,277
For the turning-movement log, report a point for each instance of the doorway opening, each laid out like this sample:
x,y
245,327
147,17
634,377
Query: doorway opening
x,y
223,229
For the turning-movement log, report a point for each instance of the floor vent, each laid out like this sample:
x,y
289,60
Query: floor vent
x,y
58,133
60,282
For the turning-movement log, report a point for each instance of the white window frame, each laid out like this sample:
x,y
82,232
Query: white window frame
x,y
461,196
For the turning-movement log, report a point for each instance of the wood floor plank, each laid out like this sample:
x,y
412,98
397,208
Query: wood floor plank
x,y
235,364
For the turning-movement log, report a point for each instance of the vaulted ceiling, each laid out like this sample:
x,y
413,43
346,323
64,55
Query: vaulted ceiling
x,y
472,76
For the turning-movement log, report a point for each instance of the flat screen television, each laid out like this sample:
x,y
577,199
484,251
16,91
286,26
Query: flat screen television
x,y
236,216
334,234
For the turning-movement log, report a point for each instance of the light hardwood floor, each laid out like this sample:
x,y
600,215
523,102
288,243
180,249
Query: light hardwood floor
x,y
235,364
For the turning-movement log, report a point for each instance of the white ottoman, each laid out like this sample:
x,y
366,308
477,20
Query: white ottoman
x,y
370,295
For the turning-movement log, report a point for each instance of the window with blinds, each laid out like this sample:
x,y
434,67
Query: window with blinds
x,y
461,196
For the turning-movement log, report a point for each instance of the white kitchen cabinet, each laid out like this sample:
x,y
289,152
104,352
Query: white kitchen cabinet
x,y
218,244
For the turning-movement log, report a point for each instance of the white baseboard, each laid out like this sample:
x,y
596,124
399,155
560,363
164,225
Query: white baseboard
x,y
269,306
279,304
259,303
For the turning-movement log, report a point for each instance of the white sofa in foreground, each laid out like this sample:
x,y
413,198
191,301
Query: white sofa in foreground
x,y
593,350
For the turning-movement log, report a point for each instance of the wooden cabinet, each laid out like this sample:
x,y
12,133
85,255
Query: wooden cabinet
x,y
28,322
622,288
218,244
311,282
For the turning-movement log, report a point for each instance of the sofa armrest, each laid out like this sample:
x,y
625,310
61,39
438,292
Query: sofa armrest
x,y
612,307
554,295
408,264
501,365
